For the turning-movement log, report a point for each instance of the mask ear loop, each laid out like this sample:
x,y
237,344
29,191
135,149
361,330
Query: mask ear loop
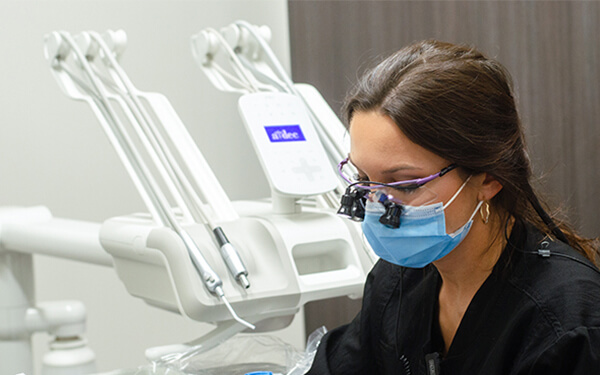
x,y
458,192
456,195
475,212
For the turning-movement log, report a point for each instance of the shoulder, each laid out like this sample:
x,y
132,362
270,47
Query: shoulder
x,y
573,352
561,285
552,303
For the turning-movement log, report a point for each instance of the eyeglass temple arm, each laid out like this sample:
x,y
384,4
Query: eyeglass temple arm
x,y
447,169
419,181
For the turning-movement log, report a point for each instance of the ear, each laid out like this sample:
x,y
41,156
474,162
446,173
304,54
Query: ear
x,y
489,188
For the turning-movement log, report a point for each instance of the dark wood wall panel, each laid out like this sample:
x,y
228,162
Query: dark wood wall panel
x,y
552,49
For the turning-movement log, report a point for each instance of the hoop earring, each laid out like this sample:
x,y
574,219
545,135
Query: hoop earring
x,y
485,216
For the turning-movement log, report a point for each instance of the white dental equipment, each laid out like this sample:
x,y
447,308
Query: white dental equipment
x,y
256,69
98,97
288,147
283,134
250,55
191,202
290,258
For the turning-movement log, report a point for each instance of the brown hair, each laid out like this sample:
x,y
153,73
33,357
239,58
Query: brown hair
x,y
455,102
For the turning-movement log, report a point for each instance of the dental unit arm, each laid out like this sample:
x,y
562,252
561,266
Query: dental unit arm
x,y
254,71
237,265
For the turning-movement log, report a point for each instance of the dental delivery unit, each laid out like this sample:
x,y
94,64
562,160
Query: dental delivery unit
x,y
243,265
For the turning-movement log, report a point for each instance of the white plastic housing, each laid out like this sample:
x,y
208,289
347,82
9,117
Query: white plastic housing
x,y
291,260
287,144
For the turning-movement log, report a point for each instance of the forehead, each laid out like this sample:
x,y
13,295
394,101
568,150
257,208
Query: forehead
x,y
377,143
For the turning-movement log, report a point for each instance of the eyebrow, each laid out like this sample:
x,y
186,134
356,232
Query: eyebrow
x,y
391,170
399,168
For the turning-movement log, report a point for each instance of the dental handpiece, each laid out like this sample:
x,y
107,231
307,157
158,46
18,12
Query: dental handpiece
x,y
211,280
232,259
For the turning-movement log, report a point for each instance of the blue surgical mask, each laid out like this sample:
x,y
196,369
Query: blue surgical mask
x,y
421,238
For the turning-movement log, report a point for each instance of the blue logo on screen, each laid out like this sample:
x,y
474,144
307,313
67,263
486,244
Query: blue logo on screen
x,y
285,133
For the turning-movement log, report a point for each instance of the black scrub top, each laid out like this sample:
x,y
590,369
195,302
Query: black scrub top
x,y
537,313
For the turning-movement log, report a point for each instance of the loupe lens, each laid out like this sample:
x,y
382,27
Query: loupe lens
x,y
358,209
347,203
391,217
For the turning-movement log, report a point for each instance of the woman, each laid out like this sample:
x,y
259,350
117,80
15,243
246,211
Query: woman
x,y
475,277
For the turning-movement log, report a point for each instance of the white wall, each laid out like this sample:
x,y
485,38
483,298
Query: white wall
x,y
53,152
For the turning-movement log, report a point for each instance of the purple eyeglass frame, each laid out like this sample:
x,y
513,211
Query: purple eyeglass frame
x,y
417,181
